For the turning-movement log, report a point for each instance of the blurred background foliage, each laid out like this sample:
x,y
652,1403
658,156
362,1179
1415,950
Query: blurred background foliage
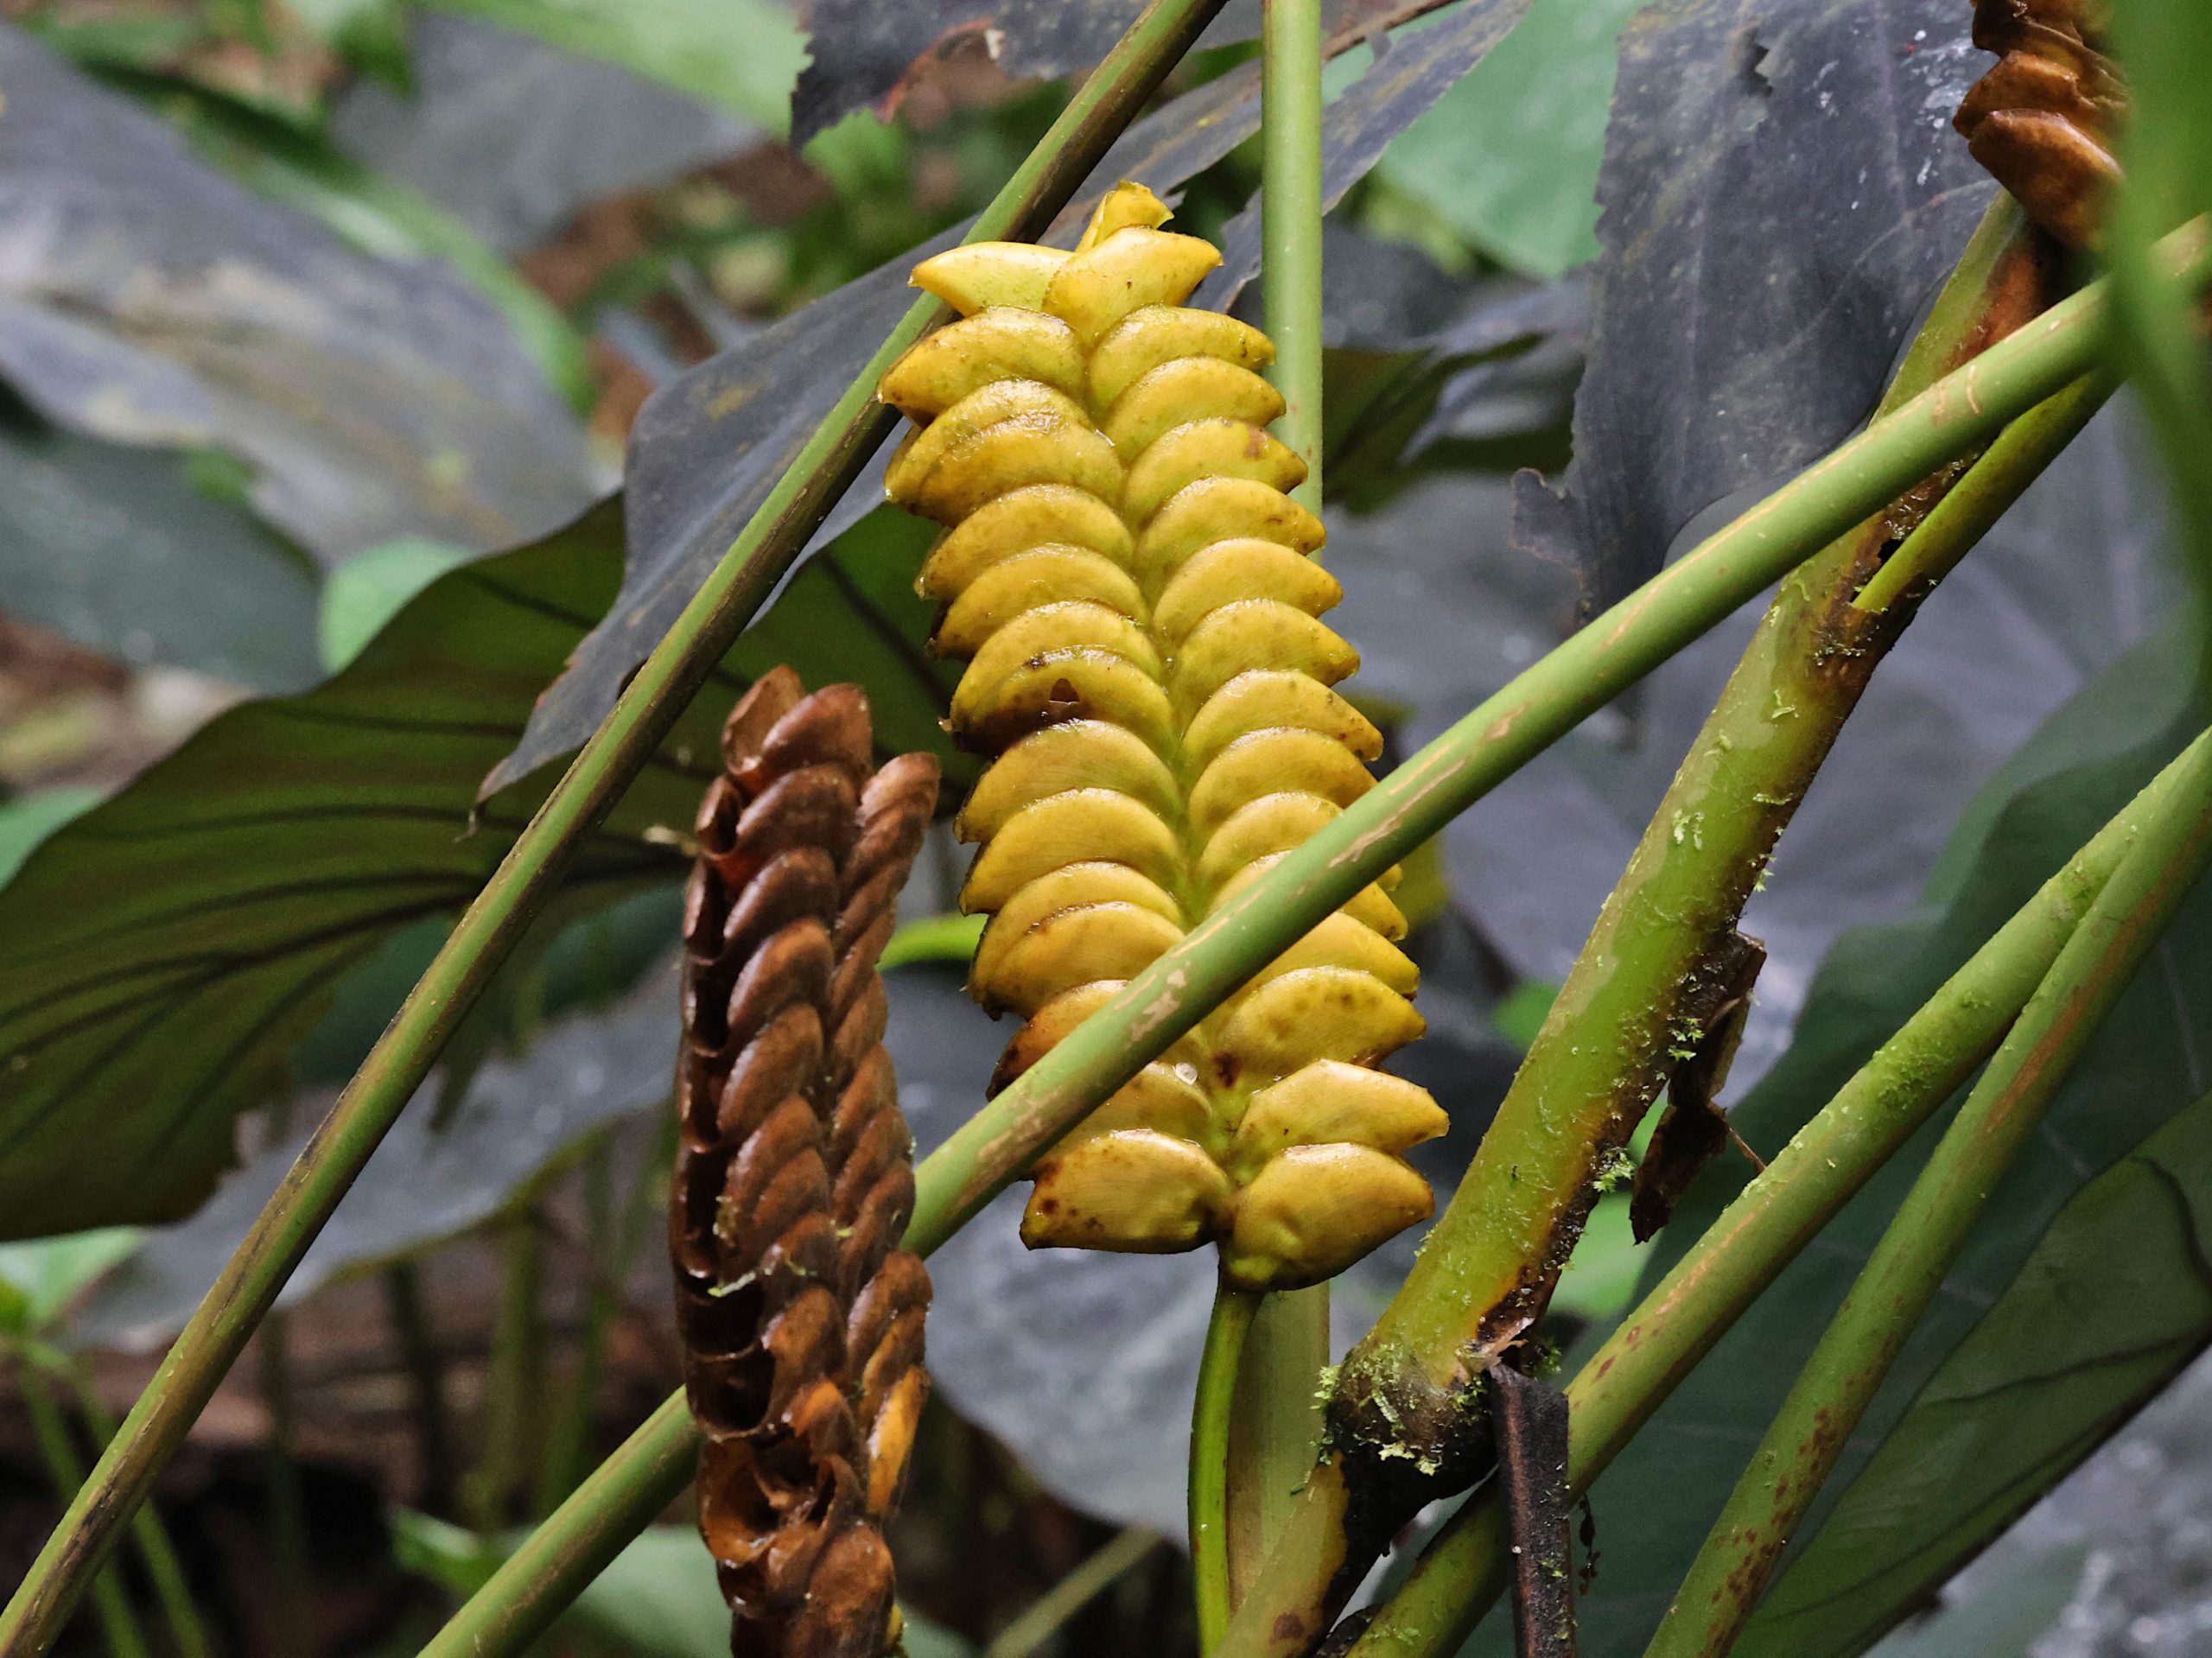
x,y
325,326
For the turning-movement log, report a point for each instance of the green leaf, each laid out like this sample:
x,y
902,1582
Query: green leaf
x,y
122,550
2005,1614
740,55
29,819
374,586
168,951
39,1280
1657,1499
2114,1302
1509,157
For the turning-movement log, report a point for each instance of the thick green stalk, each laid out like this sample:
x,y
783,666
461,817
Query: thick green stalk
x,y
510,1438
1550,698
1908,1266
291,1592
426,1394
489,928
119,1624
1275,1425
1463,1569
1227,1333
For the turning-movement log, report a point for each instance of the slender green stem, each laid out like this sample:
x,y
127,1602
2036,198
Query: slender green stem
x,y
488,929
1274,1421
291,1594
566,1455
187,1635
1072,1594
2016,459
649,1469
409,1318
510,1435
1908,1266
1209,1488
1290,224
1872,1117
119,1624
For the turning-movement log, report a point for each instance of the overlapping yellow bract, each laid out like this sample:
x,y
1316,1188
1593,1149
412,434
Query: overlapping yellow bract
x,y
1134,592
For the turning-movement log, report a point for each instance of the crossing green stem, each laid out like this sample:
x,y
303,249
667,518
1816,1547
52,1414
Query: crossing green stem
x,y
1832,1393
1227,1334
1463,1570
489,928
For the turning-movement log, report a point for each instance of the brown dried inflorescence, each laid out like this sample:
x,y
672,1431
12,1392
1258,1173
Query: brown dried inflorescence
x,y
801,1318
2043,121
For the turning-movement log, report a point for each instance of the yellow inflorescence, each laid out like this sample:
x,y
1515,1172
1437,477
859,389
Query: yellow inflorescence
x,y
1135,597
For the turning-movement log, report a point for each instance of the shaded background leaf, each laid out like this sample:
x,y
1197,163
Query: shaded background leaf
x,y
230,324
1782,193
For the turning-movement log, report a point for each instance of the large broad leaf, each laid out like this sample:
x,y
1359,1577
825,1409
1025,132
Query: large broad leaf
x,y
2116,1299
709,448
2143,1067
1782,193
169,951
1509,159
116,549
442,1169
515,135
151,300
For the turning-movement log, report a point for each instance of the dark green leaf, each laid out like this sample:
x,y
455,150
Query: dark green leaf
x,y
168,951
117,548
1782,193
2116,1299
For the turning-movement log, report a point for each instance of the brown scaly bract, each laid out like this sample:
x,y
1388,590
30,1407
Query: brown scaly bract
x,y
2042,120
1149,674
800,1318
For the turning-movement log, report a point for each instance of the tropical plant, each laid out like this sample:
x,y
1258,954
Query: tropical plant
x,y
316,391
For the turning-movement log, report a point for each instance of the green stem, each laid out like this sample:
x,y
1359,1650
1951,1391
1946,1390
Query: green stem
x,y
568,1442
516,1374
1275,1413
528,875
1072,1594
1290,225
1908,1266
418,1356
118,1624
649,1470
2016,459
1905,1082
1218,1364
1275,1425
292,1596
187,1635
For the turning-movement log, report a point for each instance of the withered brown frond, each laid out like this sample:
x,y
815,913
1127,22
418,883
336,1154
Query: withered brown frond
x,y
801,1319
